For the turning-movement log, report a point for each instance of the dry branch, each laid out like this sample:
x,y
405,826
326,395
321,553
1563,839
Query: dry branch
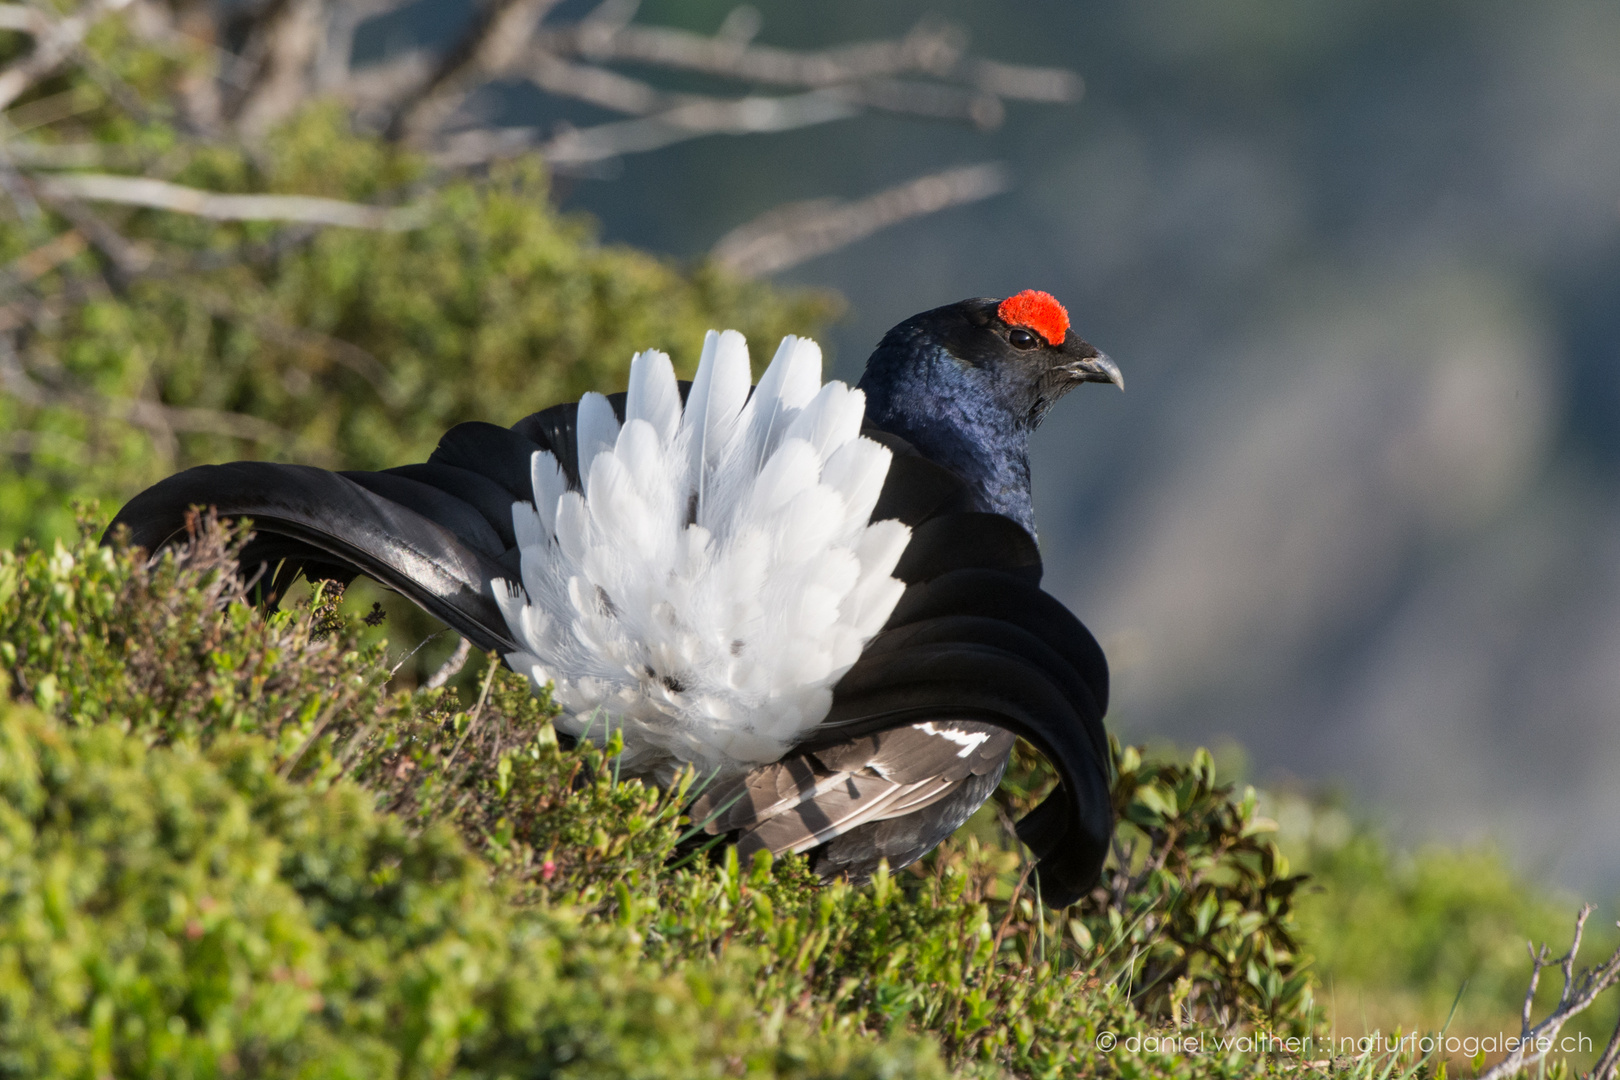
x,y
598,86
162,195
743,116
930,49
793,234
452,666
24,19
291,39
54,43
1577,995
842,82
493,45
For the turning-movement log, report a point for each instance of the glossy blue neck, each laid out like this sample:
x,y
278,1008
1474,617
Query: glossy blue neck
x,y
953,414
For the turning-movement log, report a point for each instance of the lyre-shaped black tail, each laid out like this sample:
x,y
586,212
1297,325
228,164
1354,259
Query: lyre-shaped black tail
x,y
439,533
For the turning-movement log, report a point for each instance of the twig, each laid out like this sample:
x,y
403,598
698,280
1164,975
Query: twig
x,y
741,116
931,48
931,100
54,43
492,45
1577,995
291,37
451,667
1012,908
24,19
790,235
331,65
162,195
595,85
1607,1066
477,713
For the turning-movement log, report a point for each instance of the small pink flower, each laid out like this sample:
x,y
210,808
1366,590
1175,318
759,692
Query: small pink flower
x,y
547,870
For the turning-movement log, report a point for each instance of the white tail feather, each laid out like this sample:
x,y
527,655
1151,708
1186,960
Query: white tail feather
x,y
598,429
719,571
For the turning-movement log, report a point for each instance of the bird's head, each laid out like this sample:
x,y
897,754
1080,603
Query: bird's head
x,y
967,383
1010,358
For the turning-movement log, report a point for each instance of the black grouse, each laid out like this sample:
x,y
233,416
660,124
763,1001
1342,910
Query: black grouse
x,y
826,600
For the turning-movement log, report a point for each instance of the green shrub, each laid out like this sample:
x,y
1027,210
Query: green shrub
x,y
171,912
170,656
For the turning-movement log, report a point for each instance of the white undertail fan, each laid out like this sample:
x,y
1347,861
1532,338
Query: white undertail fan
x,y
754,581
717,571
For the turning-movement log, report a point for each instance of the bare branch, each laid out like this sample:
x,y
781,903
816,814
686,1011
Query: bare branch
x,y
1577,995
793,234
695,118
932,48
595,85
743,116
51,108
932,100
686,116
929,49
480,145
162,195
331,65
451,667
291,40
54,43
24,19
493,44
1055,86
1607,1066
842,81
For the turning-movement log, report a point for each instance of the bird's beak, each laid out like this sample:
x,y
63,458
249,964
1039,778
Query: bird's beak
x,y
1095,369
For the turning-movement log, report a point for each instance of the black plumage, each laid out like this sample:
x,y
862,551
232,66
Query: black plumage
x,y
921,727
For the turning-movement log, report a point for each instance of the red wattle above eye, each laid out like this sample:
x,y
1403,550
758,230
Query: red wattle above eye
x,y
1038,312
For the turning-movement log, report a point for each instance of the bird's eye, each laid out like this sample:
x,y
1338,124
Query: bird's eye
x,y
1022,339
